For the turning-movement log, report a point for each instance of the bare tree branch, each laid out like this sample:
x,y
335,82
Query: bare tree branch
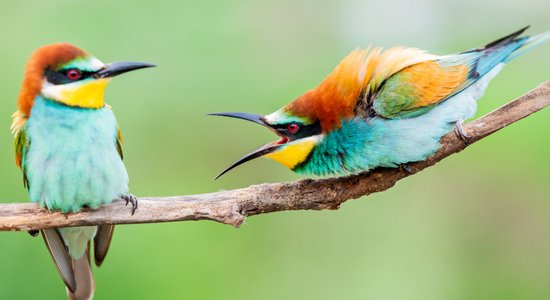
x,y
231,207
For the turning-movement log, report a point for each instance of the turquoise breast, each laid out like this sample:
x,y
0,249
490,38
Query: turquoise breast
x,y
72,161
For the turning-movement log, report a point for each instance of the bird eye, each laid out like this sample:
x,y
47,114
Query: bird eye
x,y
73,74
292,128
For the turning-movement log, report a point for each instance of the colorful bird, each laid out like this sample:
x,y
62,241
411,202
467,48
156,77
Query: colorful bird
x,y
68,145
383,108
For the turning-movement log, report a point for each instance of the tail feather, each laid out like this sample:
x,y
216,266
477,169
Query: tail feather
x,y
84,278
60,255
482,60
102,241
76,273
507,39
529,44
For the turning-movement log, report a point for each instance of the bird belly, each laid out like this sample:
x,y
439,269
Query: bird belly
x,y
360,145
72,161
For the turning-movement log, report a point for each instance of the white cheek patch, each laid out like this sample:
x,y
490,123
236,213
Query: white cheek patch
x,y
55,92
50,91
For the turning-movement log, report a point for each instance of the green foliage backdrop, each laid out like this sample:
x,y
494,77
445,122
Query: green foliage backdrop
x,y
476,226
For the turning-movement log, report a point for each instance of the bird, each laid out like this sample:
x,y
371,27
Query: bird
x,y
383,108
69,148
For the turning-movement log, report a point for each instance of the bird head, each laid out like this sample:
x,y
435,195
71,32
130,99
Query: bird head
x,y
68,75
304,123
298,136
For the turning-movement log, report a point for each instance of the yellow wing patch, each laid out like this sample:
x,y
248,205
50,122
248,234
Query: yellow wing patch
x,y
392,61
432,82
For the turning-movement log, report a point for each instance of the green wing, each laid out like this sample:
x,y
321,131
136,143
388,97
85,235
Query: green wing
x,y
119,144
22,144
418,88
104,234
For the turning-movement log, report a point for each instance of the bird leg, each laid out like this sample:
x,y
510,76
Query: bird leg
x,y
129,198
460,132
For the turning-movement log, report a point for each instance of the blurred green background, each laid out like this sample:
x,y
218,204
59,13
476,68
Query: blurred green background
x,y
476,226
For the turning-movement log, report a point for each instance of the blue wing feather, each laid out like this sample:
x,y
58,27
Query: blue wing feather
x,y
482,60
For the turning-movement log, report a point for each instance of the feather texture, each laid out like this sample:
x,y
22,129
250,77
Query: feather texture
x,y
337,96
50,56
360,145
73,161
386,108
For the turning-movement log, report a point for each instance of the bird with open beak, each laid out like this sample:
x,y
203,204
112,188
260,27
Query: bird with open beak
x,y
383,108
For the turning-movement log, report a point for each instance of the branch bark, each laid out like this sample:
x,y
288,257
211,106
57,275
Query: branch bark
x,y
231,207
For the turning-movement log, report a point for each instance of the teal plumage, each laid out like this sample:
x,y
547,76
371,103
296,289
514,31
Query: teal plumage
x,y
360,145
383,108
73,160
73,163
68,146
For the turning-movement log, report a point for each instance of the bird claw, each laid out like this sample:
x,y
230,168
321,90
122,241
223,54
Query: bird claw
x,y
461,132
130,199
33,233
407,168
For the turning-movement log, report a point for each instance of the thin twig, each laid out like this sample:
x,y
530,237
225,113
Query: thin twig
x,y
231,207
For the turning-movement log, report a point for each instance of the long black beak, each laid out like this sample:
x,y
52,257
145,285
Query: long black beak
x,y
250,156
117,68
258,119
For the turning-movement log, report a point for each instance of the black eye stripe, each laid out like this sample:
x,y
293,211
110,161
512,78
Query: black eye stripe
x,y
303,130
60,76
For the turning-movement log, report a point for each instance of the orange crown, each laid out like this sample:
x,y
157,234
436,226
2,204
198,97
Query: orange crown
x,y
47,57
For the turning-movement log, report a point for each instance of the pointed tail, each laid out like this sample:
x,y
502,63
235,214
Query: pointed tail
x,y
482,60
529,44
76,273
84,279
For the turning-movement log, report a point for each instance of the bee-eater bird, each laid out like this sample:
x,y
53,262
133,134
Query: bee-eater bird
x,y
68,145
383,108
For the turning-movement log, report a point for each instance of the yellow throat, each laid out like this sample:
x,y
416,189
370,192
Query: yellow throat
x,y
85,94
293,154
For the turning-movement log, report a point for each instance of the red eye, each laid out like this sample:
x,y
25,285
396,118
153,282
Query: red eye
x,y
73,74
292,128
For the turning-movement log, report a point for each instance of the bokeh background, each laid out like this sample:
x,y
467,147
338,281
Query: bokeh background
x,y
476,226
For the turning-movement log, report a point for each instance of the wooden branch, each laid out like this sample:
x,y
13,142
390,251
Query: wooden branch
x,y
231,207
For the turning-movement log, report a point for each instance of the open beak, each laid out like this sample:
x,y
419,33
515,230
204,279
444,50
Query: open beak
x,y
258,119
266,149
117,68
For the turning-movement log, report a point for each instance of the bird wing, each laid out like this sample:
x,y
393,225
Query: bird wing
x,y
416,89
75,273
118,139
60,255
22,144
102,239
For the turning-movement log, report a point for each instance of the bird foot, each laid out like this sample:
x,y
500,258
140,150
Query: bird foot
x,y
407,168
461,132
130,199
33,233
